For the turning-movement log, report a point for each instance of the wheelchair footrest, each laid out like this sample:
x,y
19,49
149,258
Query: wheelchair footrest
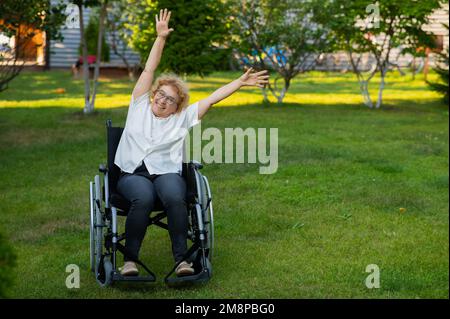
x,y
119,277
202,276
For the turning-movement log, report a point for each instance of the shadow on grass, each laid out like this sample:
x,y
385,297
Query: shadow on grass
x,y
23,117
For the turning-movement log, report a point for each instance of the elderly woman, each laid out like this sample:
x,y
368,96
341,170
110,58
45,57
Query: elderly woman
x,y
149,152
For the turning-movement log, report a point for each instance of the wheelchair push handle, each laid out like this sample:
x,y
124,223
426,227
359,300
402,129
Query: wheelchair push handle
x,y
197,164
102,168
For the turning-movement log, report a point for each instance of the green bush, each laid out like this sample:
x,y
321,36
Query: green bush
x,y
7,263
441,69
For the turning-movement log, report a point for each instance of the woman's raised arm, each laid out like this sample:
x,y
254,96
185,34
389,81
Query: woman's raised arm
x,y
249,78
144,83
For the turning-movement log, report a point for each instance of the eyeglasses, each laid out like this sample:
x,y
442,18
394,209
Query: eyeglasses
x,y
160,94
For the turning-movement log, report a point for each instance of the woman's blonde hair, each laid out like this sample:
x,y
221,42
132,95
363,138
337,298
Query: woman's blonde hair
x,y
178,84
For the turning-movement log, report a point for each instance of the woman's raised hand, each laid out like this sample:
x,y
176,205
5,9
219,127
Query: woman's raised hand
x,y
162,23
258,79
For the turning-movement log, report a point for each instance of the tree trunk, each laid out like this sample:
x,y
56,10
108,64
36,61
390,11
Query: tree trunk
x,y
265,98
380,89
283,91
363,83
47,51
287,84
281,96
87,88
121,55
364,87
99,52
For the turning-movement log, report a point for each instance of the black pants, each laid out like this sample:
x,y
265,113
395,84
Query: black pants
x,y
142,190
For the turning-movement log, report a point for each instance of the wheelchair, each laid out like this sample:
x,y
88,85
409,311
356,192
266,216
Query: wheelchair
x,y
106,204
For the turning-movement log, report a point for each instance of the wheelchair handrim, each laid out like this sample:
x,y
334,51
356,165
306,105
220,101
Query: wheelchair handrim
x,y
209,216
91,229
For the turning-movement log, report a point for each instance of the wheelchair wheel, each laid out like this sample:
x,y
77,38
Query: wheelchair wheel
x,y
92,228
97,224
208,214
104,272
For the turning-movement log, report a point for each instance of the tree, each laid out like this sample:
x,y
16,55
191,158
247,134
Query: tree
x,y
280,36
442,69
89,99
23,19
194,46
369,32
91,35
120,36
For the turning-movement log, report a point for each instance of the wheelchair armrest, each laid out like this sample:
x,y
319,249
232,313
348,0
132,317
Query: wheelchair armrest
x,y
197,164
102,168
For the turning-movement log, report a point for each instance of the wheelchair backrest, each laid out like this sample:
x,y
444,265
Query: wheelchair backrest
x,y
113,135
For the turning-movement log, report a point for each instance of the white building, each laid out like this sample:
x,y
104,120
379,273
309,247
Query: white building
x,y
65,53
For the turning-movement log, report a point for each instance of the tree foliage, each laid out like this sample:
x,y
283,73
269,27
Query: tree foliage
x,y
120,36
442,69
22,19
370,31
90,94
278,35
194,46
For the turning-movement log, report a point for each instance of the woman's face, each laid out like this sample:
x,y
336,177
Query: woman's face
x,y
165,101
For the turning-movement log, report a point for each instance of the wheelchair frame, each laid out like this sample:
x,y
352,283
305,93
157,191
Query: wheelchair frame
x,y
105,239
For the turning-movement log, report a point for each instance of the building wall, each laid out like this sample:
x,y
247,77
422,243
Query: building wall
x,y
435,26
65,53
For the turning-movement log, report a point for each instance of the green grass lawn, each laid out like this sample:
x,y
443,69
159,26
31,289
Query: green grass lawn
x,y
307,231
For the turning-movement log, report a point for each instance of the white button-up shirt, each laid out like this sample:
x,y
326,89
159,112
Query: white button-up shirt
x,y
156,141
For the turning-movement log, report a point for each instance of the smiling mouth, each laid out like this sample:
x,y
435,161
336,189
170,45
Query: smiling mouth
x,y
160,106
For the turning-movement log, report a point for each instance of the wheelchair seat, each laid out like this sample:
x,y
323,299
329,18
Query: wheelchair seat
x,y
123,204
